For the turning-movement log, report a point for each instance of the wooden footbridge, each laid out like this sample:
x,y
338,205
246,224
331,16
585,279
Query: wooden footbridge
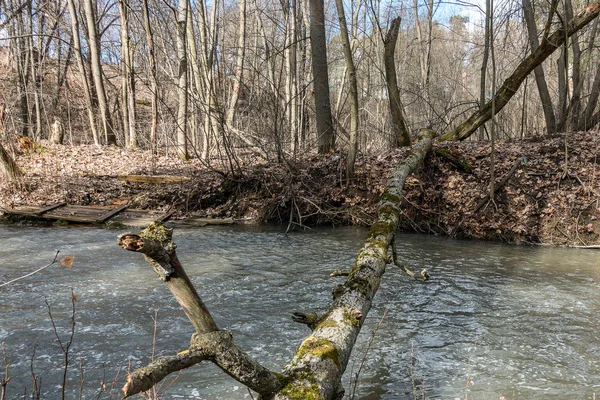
x,y
91,214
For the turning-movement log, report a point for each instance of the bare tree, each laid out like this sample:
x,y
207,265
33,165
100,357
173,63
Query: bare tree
x,y
87,94
353,85
182,108
97,72
325,131
399,125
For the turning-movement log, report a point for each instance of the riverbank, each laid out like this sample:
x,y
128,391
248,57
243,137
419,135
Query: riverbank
x,y
551,197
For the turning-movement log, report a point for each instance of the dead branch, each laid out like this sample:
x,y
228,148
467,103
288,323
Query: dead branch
x,y
500,185
208,343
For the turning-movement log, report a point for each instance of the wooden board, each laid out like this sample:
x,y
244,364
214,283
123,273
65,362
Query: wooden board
x,y
152,178
92,215
140,218
203,221
75,213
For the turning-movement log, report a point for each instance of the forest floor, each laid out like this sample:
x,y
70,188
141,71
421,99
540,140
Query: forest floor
x,y
553,197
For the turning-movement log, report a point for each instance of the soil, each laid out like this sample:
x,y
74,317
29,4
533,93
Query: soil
x,y
552,197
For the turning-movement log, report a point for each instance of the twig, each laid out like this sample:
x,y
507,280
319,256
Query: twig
x,y
423,275
34,272
6,378
364,359
67,345
500,185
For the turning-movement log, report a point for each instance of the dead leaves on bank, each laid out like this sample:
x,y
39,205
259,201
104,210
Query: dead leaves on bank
x,y
552,197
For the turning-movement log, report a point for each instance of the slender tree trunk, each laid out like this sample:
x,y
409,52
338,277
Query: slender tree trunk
x,y
324,122
484,64
182,108
127,79
153,72
575,103
239,68
490,16
540,78
82,72
353,87
8,167
97,73
399,125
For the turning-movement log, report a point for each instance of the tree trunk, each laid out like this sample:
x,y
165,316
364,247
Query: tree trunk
x,y
239,67
575,103
127,80
325,131
399,125
153,72
97,73
512,83
8,167
87,93
182,89
353,88
540,79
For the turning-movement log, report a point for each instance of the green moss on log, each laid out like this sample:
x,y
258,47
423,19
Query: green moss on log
x,y
320,348
360,285
351,319
309,390
157,232
390,198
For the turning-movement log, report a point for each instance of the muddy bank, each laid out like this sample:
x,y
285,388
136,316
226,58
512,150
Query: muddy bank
x,y
552,196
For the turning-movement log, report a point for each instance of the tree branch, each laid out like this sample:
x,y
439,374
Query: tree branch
x,y
208,343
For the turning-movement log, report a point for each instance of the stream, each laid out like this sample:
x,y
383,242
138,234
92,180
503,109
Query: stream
x,y
495,321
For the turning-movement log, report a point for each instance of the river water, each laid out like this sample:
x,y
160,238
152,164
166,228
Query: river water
x,y
494,321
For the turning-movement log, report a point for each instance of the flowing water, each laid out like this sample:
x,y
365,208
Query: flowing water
x,y
494,321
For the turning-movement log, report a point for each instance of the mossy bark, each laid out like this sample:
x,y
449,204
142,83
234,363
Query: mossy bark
x,y
315,371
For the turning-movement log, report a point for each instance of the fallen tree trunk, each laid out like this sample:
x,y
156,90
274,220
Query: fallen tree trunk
x,y
315,371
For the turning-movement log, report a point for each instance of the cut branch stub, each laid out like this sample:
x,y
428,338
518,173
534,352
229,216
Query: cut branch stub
x,y
155,242
154,252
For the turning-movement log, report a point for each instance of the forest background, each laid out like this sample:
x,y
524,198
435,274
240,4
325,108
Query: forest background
x,y
231,86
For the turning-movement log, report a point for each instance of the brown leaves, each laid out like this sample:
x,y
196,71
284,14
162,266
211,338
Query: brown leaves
x,y
67,261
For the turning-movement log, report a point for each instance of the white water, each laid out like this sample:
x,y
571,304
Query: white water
x,y
517,322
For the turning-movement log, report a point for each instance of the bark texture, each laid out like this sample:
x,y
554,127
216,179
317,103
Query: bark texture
x,y
325,131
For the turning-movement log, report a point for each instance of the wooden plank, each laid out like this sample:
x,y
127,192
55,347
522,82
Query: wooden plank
x,y
152,178
111,213
21,210
164,217
75,213
50,208
204,221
